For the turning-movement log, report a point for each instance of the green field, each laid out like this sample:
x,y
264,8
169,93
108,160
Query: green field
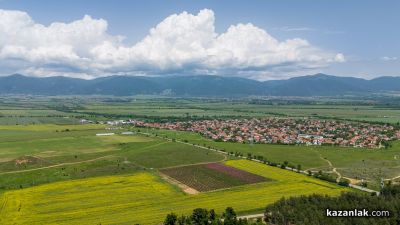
x,y
356,163
54,171
69,110
144,198
50,156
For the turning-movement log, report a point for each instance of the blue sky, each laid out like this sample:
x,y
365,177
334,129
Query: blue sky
x,y
364,34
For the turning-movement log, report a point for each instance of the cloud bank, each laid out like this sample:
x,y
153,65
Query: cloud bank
x,y
181,44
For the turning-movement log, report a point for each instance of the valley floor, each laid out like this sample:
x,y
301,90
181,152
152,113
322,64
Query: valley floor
x,y
145,198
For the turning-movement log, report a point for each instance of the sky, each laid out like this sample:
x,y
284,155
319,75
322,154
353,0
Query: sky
x,y
256,39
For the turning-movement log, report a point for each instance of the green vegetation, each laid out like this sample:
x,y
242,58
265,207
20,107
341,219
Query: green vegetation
x,y
69,110
145,198
204,217
356,163
54,171
307,210
310,210
53,153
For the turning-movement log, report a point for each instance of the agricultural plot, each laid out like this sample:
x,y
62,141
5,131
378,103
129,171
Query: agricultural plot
x,y
37,154
163,154
181,108
20,110
357,163
144,198
212,176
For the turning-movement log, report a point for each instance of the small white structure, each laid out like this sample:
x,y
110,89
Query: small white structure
x,y
127,133
83,121
105,134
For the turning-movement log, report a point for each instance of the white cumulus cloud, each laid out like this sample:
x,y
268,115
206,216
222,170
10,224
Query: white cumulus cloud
x,y
181,44
388,58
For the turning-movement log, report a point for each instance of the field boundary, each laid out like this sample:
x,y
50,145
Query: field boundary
x,y
182,186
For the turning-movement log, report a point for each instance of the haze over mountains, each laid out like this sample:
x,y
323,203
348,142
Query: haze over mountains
x,y
201,86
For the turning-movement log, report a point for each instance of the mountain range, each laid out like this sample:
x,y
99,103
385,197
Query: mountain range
x,y
199,86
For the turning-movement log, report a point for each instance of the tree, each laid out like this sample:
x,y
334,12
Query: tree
x,y
213,215
183,220
343,182
204,217
298,168
229,216
170,219
200,216
249,155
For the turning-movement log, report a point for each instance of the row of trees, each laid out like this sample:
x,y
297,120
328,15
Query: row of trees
x,y
204,217
286,165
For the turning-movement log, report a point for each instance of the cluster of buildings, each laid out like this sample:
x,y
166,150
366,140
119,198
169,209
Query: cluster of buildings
x,y
287,131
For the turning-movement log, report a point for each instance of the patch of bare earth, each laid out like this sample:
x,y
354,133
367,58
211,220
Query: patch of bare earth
x,y
183,187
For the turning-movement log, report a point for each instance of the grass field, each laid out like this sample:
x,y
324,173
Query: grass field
x,y
367,164
37,154
145,198
212,176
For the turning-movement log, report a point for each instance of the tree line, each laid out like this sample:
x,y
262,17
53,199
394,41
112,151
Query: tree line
x,y
209,217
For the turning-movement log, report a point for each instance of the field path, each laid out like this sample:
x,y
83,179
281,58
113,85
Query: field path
x,y
56,165
191,164
393,178
334,169
73,163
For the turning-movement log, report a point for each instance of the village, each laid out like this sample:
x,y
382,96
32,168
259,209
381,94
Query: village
x,y
275,130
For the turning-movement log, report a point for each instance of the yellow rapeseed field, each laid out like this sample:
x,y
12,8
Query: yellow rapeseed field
x,y
144,198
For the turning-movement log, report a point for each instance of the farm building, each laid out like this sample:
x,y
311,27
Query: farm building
x,y
105,134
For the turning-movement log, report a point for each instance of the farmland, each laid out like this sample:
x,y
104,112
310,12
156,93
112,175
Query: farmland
x,y
356,163
145,198
211,176
68,110
53,169
53,154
